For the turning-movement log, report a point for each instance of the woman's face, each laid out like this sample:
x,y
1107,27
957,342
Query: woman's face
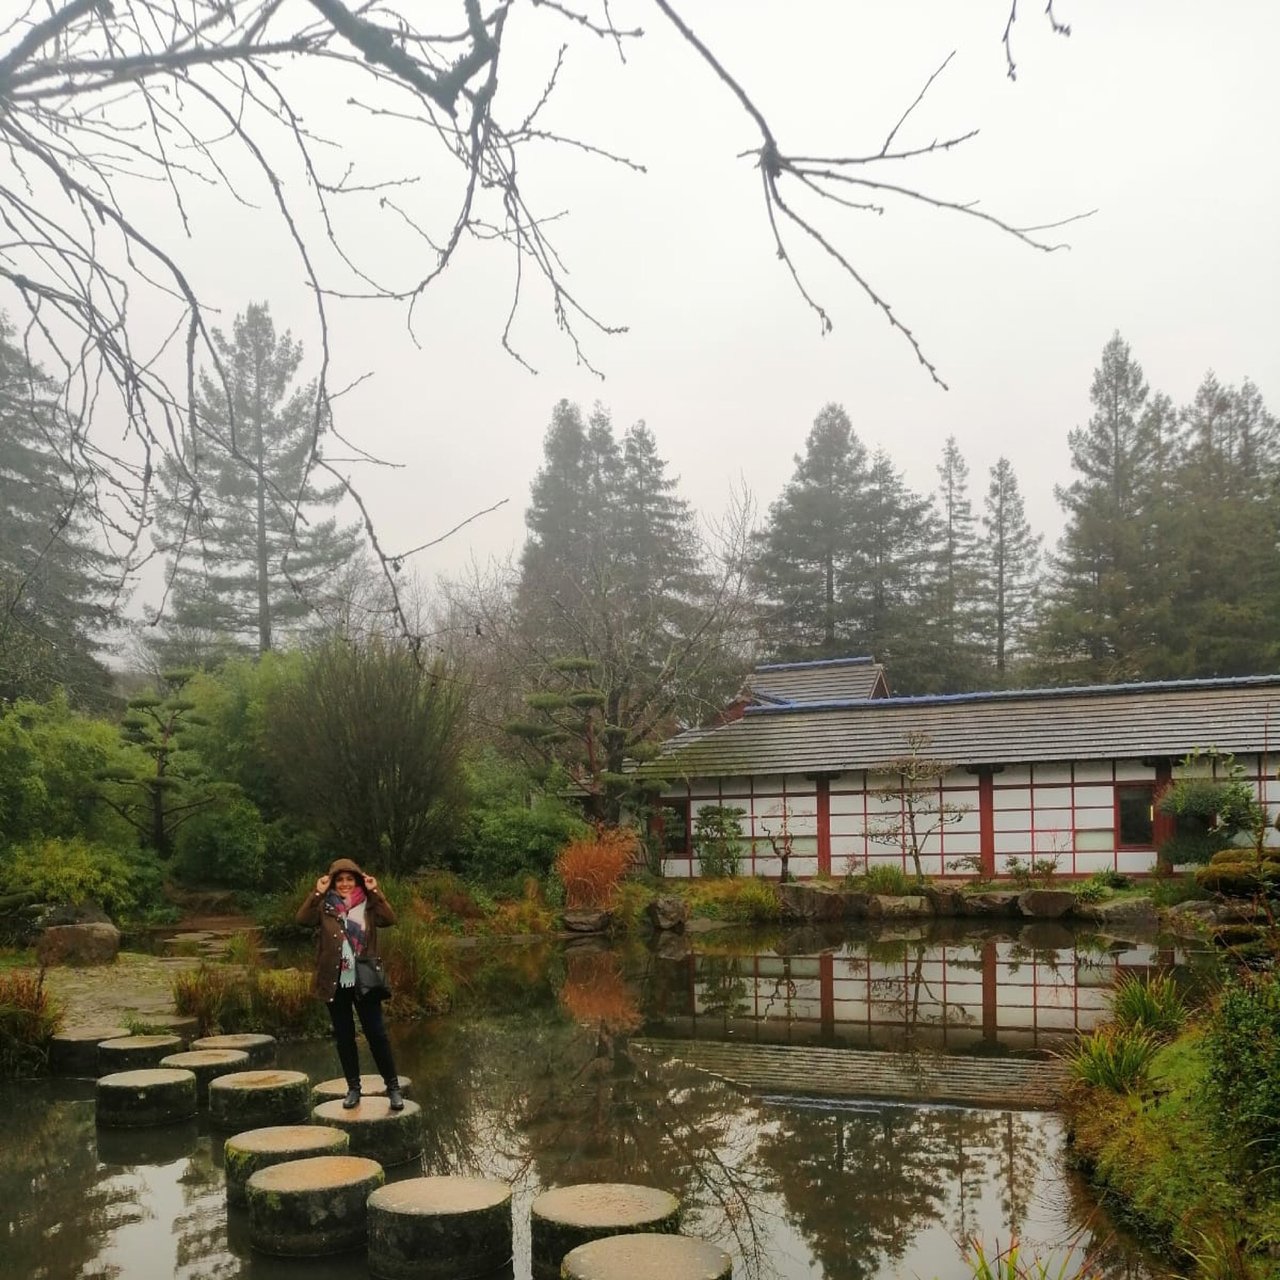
x,y
343,883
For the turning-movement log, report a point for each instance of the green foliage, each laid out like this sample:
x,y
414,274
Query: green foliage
x,y
889,880
224,844
1015,1263
509,827
1115,1058
417,968
1153,1003
29,1019
1033,873
229,999
1242,1049
745,899
1210,812
717,840
1168,891
74,871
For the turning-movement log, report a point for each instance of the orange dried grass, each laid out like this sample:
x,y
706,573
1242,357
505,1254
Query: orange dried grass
x,y
591,867
594,992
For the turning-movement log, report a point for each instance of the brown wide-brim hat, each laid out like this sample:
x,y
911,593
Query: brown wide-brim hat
x,y
346,864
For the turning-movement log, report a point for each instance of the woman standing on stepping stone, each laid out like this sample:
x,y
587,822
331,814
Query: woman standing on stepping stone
x,y
348,906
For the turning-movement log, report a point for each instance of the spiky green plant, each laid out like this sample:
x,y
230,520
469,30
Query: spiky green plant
x,y
1151,1003
1115,1058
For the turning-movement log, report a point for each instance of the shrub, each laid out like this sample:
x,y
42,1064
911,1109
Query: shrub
x,y
1153,1004
29,1018
1242,1049
1209,812
417,969
717,840
751,900
1115,1058
889,880
224,998
591,867
224,844
76,871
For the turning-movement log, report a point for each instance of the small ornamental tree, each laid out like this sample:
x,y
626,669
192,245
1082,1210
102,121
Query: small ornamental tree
x,y
914,781
717,840
1209,812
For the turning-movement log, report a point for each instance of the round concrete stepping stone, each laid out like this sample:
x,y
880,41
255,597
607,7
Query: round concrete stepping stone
x,y
135,1099
439,1228
261,1049
370,1087
75,1052
631,1256
135,1053
245,1153
251,1099
389,1137
566,1217
304,1208
206,1065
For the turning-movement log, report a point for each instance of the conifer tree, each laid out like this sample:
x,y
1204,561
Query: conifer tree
x,y
1010,562
953,603
55,583
242,520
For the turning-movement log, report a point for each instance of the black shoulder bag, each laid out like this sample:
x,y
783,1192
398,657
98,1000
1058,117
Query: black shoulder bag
x,y
371,977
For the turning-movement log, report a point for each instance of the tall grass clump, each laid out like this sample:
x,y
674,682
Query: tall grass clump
x,y
418,971
29,1019
1115,1058
591,867
1151,1003
228,999
889,880
1013,1263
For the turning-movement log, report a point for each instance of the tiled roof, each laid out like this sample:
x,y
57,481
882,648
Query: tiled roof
x,y
810,682
1010,727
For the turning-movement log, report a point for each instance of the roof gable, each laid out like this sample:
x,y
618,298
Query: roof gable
x,y
804,683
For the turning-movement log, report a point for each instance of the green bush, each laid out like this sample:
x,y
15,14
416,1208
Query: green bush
x,y
1242,1047
888,880
1153,1003
1115,1058
417,969
75,871
224,844
1210,812
717,840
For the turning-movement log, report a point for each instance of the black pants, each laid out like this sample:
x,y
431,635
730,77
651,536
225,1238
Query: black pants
x,y
342,1009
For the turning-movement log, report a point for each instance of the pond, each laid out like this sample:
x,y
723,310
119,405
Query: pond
x,y
573,1064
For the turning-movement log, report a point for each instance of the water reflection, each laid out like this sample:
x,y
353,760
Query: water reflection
x,y
545,1079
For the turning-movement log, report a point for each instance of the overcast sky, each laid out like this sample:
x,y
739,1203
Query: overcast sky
x,y
1161,114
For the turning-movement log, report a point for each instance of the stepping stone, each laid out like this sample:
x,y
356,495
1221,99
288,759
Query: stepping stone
x,y
75,1052
439,1228
176,1024
206,1065
370,1087
135,1099
135,1053
245,1153
252,1099
630,1257
389,1137
261,1049
566,1217
304,1208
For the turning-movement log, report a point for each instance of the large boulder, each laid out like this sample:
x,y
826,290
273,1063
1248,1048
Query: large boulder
x,y
905,907
946,902
80,944
1046,904
583,920
74,913
805,900
998,903
1127,911
668,911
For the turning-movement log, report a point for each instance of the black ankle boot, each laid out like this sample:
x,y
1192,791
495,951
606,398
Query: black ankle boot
x,y
395,1098
352,1100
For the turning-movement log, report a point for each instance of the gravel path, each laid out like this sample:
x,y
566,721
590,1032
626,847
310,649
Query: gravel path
x,y
136,987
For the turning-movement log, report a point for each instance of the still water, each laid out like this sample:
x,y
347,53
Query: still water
x,y
564,1065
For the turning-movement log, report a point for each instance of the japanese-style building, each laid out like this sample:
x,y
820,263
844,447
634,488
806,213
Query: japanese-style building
x,y
1070,774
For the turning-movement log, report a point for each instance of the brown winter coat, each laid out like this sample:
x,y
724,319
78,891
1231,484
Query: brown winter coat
x,y
314,911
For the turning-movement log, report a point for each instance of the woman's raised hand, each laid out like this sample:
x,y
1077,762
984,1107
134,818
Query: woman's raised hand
x,y
322,885
370,884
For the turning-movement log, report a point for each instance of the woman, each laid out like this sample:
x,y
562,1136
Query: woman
x,y
348,906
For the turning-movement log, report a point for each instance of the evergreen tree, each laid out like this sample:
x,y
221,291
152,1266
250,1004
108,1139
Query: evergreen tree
x,y
55,585
1098,628
1010,563
248,554
812,563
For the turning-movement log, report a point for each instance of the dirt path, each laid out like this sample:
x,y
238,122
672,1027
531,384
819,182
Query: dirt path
x,y
136,988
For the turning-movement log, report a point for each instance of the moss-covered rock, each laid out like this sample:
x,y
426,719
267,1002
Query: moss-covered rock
x,y
252,1099
245,1153
136,1099
135,1053
310,1207
390,1137
439,1228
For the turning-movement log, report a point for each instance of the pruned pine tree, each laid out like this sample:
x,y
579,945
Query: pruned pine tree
x,y
243,520
1009,560
1098,626
56,582
623,630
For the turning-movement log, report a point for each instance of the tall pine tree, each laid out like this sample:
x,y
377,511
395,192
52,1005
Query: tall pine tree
x,y
242,520
1010,566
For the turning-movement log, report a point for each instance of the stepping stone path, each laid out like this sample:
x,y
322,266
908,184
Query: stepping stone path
x,y
135,1053
390,1137
304,1208
261,1049
566,1217
245,1153
251,1099
75,1052
439,1229
370,1087
630,1257
206,1065
135,1099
